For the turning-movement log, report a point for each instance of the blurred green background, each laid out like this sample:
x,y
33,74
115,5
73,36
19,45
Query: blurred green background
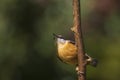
x,y
27,48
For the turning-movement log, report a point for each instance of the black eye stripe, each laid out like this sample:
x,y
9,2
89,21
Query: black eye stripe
x,y
57,36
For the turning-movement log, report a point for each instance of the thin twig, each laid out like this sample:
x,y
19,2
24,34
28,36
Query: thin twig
x,y
79,40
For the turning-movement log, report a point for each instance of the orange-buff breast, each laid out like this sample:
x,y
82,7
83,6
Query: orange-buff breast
x,y
68,53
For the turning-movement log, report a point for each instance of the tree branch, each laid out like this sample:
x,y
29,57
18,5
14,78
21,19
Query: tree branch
x,y
79,40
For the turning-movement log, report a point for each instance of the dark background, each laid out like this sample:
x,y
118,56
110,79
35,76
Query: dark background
x,y
27,47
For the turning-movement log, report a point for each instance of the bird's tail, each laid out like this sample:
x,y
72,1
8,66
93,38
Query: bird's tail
x,y
94,62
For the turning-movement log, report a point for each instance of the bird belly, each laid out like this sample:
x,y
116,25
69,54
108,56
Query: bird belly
x,y
68,53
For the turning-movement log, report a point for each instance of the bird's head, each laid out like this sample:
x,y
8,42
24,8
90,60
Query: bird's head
x,y
59,38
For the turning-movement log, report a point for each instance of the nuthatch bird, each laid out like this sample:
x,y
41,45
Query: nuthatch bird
x,y
67,52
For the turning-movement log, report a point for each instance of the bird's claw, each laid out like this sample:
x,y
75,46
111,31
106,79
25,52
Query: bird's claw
x,y
79,72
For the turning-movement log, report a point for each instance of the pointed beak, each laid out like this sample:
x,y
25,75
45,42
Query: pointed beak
x,y
56,36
